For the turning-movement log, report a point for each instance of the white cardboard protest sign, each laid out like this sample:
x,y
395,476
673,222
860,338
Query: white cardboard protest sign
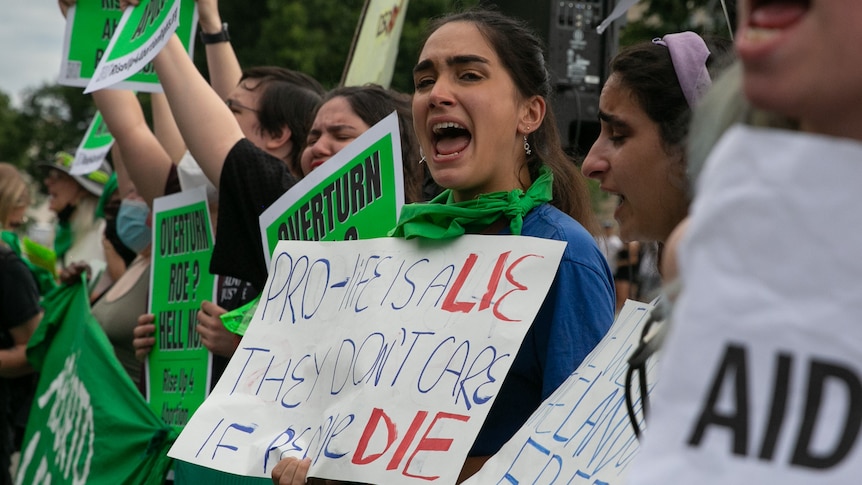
x,y
378,359
375,47
760,376
582,432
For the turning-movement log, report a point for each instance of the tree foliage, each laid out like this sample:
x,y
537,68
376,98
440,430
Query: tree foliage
x,y
313,36
13,144
310,36
661,17
51,118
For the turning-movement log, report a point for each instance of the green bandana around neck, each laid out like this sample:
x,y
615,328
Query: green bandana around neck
x,y
443,218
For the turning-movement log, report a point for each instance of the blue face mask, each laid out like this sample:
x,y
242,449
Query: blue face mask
x,y
132,224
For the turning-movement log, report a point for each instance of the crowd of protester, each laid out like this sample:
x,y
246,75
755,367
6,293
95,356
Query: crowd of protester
x,y
497,167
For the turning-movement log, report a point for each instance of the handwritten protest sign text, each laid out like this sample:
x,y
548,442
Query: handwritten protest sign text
x,y
378,359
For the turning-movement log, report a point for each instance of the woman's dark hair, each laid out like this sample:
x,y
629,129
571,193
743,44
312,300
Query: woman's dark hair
x,y
646,69
288,98
112,208
521,53
372,103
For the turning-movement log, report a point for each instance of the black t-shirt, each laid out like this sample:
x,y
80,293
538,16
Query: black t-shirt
x,y
19,302
251,180
232,292
19,295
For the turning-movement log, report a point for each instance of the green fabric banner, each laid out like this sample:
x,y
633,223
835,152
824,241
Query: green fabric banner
x,y
88,424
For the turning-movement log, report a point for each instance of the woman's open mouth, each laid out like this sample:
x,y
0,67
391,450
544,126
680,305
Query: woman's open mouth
x,y
768,17
449,139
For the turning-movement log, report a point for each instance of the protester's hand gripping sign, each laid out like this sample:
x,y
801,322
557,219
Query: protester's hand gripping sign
x,y
378,359
582,432
178,377
91,26
357,194
761,375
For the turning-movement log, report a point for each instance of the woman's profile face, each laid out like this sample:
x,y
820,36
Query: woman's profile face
x,y
16,216
467,113
630,161
334,127
62,189
244,103
799,60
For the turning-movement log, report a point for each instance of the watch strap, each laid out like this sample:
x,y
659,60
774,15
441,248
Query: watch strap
x,y
217,37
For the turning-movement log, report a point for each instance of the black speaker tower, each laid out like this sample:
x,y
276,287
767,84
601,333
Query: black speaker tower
x,y
578,60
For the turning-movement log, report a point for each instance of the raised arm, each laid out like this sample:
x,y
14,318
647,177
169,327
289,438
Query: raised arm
x,y
143,156
165,128
206,123
224,69
124,182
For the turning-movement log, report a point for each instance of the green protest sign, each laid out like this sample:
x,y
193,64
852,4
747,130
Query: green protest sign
x,y
357,194
140,35
91,24
88,423
178,377
94,147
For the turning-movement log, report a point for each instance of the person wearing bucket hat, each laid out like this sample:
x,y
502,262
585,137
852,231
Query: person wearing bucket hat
x,y
78,233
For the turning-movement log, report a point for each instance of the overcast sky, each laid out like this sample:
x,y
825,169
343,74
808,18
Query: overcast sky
x,y
31,37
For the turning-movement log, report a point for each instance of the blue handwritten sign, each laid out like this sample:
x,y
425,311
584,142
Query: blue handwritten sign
x,y
581,434
378,359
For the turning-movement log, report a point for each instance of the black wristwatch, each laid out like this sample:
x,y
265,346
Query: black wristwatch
x,y
216,38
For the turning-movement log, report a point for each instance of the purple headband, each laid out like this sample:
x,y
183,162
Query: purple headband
x,y
689,53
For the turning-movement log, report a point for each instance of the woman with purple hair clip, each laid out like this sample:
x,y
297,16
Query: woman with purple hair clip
x,y
640,156
645,109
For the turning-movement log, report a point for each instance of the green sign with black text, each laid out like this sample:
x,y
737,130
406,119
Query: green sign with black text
x,y
357,194
178,368
91,24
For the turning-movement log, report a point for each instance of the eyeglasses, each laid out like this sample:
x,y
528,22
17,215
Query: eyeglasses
x,y
233,104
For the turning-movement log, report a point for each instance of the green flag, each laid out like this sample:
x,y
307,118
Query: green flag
x,y
88,424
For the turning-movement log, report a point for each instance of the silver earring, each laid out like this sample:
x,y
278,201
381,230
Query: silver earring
x,y
527,148
422,154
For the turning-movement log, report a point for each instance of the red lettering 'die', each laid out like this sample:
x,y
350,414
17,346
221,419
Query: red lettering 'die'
x,y
425,443
451,304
